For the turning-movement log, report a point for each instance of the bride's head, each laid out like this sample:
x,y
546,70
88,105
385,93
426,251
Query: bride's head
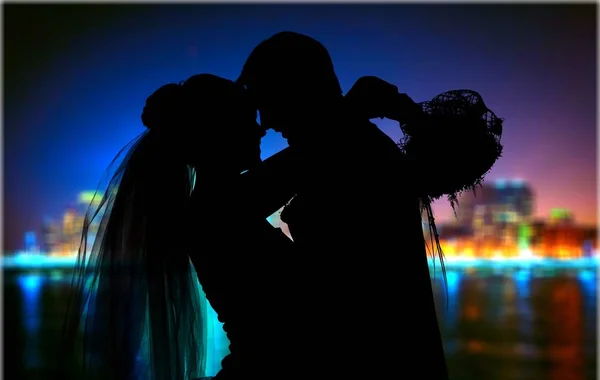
x,y
206,122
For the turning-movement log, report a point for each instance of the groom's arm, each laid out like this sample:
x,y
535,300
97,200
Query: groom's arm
x,y
270,185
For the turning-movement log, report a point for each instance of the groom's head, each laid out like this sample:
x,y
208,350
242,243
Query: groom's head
x,y
292,80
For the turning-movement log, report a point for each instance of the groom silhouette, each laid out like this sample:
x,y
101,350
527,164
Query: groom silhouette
x,y
364,301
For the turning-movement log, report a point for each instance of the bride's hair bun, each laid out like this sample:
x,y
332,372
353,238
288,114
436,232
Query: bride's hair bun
x,y
163,106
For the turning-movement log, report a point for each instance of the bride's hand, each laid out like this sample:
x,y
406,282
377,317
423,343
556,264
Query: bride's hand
x,y
372,97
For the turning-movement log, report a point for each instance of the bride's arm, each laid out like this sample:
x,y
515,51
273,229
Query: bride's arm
x,y
372,97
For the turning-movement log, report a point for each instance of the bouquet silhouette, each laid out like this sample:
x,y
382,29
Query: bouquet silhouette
x,y
452,140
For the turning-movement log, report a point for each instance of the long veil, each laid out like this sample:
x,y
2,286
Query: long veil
x,y
136,310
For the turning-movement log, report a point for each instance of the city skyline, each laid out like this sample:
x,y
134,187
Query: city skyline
x,y
74,98
498,219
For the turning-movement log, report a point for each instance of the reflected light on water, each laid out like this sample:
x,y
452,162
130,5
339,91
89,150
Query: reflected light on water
x,y
56,275
535,322
522,278
588,278
453,280
566,332
31,285
453,309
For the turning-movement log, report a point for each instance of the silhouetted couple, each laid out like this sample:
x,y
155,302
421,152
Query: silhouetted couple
x,y
350,297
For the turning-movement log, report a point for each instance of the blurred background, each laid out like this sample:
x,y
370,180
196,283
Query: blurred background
x,y
521,252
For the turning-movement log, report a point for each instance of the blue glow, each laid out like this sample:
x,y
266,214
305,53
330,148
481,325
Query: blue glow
x,y
453,281
31,285
589,281
500,183
453,278
520,262
522,278
525,260
30,241
518,182
24,260
587,276
217,342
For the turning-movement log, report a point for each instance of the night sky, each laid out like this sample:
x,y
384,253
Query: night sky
x,y
76,79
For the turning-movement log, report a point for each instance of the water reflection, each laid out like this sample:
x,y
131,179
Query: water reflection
x,y
513,325
566,331
31,285
522,277
524,318
588,281
521,324
453,283
448,308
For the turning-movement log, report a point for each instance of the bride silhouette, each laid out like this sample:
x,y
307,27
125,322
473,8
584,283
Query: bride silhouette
x,y
176,207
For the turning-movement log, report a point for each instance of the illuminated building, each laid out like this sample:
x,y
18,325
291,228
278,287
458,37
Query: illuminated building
x,y
88,202
496,222
498,217
468,202
561,238
71,230
561,216
524,236
563,241
590,241
69,222
31,242
64,238
51,235
588,248
504,202
536,228
89,198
